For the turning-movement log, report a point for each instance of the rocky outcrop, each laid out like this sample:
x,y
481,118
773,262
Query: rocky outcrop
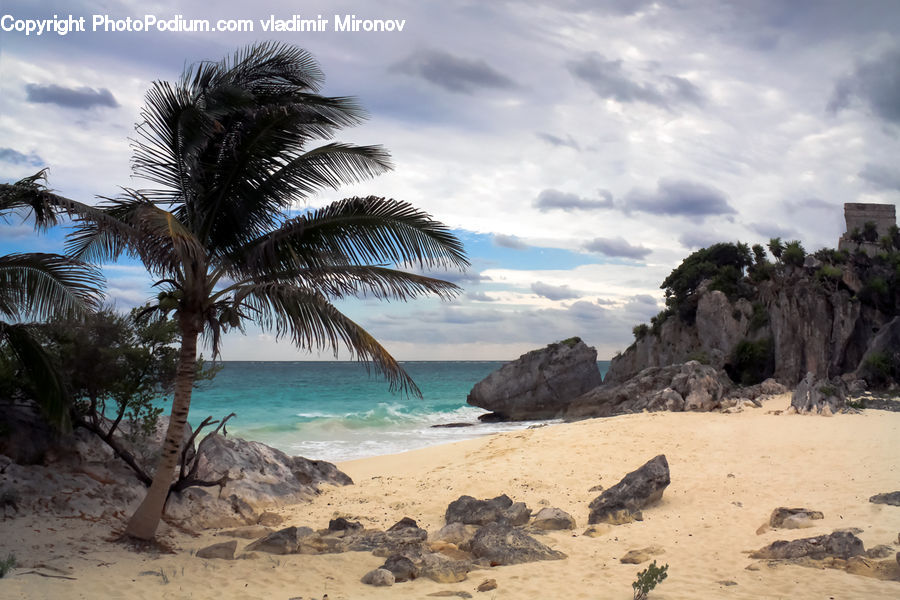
x,y
891,498
820,397
793,518
880,365
551,519
469,511
641,488
502,544
100,486
540,384
690,386
808,326
840,544
258,476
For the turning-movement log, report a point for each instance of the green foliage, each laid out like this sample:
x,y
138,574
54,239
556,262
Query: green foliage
x,y
759,255
648,579
881,368
828,391
760,316
857,404
656,322
7,564
723,264
751,362
870,231
571,342
829,274
794,254
700,356
776,247
640,331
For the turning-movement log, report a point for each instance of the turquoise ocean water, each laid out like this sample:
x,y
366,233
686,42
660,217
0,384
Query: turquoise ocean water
x,y
336,411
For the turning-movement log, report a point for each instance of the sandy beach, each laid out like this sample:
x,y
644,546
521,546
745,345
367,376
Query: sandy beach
x,y
728,471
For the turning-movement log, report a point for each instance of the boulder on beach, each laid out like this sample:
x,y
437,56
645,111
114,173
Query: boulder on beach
x,y
638,489
540,384
688,386
502,544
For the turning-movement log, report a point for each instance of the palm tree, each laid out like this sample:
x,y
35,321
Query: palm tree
x,y
37,286
228,146
776,247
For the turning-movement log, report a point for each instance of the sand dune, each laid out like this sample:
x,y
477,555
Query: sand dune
x,y
729,471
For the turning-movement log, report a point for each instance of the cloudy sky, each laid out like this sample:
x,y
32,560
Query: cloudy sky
x,y
581,149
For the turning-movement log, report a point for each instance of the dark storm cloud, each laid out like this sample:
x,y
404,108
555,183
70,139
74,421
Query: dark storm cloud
x,y
453,73
558,141
616,247
80,98
609,80
881,176
876,83
679,197
509,241
551,199
554,292
17,158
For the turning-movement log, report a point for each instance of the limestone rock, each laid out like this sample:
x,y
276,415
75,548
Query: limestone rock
x,y
638,556
635,491
223,550
886,342
487,585
548,519
688,386
840,544
892,498
402,567
879,551
540,384
814,395
285,541
248,532
517,514
442,569
501,544
379,578
455,533
468,510
793,518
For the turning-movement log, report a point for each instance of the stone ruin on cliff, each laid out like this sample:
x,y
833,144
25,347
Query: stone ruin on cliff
x,y
857,214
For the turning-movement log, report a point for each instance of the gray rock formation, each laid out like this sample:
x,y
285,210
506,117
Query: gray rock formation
x,y
840,544
689,386
258,476
470,511
540,384
883,349
550,519
811,328
891,498
792,518
379,578
636,490
501,544
223,550
813,395
401,567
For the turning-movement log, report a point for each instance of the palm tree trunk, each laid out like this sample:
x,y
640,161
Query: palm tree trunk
x,y
146,518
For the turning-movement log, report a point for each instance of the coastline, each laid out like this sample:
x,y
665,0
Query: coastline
x,y
729,471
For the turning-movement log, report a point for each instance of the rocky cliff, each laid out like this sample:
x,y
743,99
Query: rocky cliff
x,y
816,318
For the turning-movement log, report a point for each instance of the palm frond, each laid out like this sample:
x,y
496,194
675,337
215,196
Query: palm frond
x,y
50,391
358,231
313,323
39,286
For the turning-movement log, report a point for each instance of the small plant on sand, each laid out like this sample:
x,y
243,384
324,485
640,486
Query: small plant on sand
x,y
648,579
7,564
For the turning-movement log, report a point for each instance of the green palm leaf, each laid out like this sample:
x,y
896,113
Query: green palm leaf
x,y
40,286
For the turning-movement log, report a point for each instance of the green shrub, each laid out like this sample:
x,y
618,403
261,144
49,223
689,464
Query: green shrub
x,y
648,579
794,254
7,565
829,273
828,390
760,316
571,342
640,331
880,368
751,362
700,356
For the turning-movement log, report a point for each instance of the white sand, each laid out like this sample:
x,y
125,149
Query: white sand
x,y
729,471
